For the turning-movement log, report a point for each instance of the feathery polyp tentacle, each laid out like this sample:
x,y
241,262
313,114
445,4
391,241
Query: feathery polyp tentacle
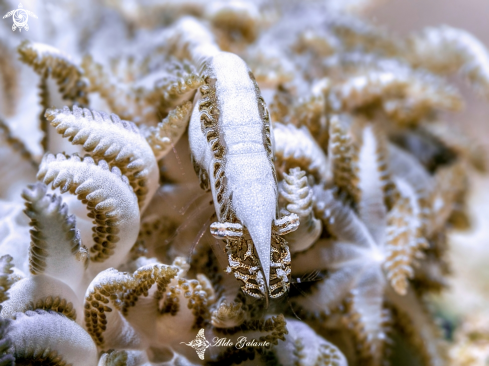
x,y
295,147
183,308
110,297
117,142
109,198
341,221
398,241
421,330
56,247
354,32
310,112
175,89
341,155
367,82
235,17
295,190
353,255
124,358
5,281
6,358
103,311
44,293
367,316
446,49
121,101
449,181
69,76
424,93
46,337
404,165
372,179
10,76
228,315
302,346
192,40
167,133
404,239
17,166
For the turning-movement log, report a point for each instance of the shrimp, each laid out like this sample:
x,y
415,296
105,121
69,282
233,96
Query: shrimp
x,y
232,152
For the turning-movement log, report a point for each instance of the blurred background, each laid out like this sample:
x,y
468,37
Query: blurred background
x,y
469,254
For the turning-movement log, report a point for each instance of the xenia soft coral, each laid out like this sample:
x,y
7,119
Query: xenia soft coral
x,y
330,211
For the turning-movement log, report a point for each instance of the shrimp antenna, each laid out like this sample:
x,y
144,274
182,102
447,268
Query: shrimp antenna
x,y
198,237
